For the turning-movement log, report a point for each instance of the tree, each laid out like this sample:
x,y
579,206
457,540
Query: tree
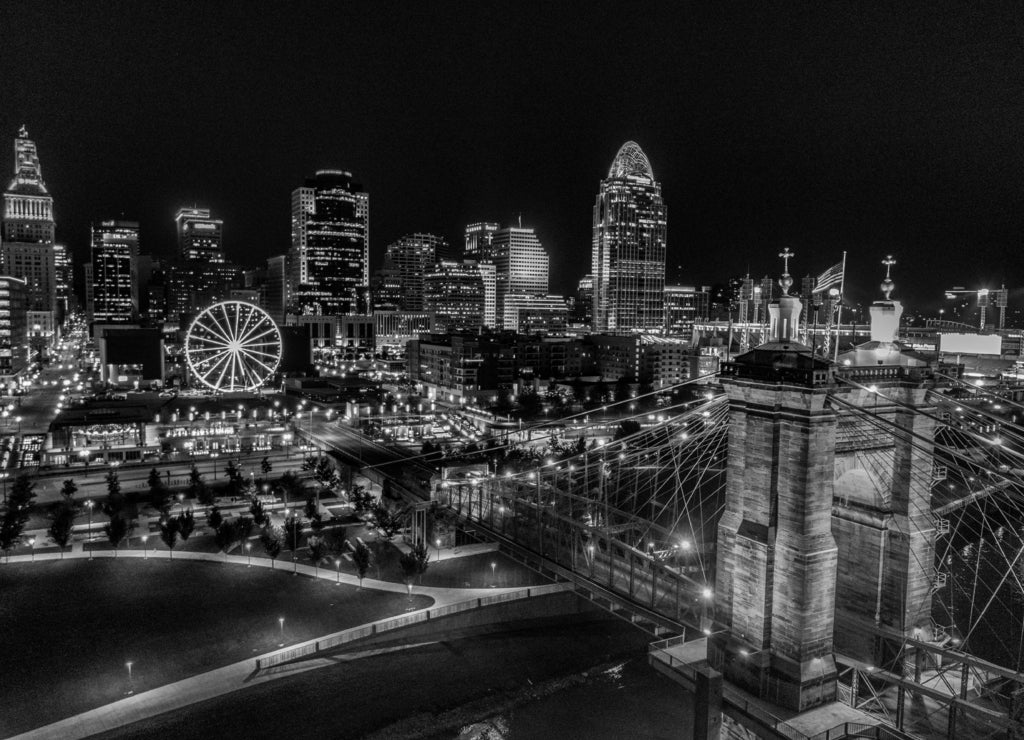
x,y
159,496
361,499
169,533
271,540
292,533
153,480
410,566
361,558
69,489
419,551
290,484
317,549
226,535
115,499
266,466
116,530
325,473
214,519
198,489
186,523
259,514
62,520
234,475
530,401
16,516
386,523
245,526
311,509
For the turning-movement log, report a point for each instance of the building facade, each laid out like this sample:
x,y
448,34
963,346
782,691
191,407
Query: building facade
x,y
332,254
456,294
27,233
14,351
409,259
115,253
520,264
628,248
478,239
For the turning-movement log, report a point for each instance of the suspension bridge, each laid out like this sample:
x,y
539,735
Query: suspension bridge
x,y
802,535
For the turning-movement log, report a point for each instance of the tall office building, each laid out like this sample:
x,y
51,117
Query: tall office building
x,y
410,258
456,293
200,238
628,248
27,233
330,244
478,238
14,353
115,253
520,263
63,269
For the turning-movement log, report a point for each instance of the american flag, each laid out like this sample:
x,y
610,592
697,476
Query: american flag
x,y
831,276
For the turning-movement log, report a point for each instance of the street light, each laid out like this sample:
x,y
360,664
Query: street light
x,y
214,456
131,688
145,547
438,543
88,535
493,566
337,562
280,621
248,554
32,547
18,419
85,458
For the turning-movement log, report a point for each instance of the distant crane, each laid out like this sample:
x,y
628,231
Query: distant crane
x,y
986,298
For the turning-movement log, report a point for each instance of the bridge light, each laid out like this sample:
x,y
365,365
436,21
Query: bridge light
x,y
706,593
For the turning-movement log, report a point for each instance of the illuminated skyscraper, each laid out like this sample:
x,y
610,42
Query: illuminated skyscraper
x,y
330,244
628,248
27,232
520,264
410,258
115,253
457,292
200,238
478,238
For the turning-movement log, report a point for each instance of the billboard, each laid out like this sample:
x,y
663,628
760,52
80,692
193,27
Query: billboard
x,y
970,344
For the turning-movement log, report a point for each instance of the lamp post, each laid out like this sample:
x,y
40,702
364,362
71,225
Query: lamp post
x,y
145,547
32,547
131,688
85,458
248,554
18,419
88,535
214,456
280,621
337,563
181,503
493,578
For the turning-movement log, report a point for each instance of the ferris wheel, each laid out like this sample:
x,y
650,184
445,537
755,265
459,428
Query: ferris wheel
x,y
233,346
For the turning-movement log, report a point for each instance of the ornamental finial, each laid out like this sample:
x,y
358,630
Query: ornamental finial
x,y
888,284
786,281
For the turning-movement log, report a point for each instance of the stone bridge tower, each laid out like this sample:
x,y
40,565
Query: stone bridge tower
x,y
776,567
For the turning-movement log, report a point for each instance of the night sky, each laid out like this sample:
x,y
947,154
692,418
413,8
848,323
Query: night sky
x,y
820,127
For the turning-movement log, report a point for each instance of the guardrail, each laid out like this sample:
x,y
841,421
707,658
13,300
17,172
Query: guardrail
x,y
337,639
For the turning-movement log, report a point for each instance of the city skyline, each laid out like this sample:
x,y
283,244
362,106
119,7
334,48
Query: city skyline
x,y
835,141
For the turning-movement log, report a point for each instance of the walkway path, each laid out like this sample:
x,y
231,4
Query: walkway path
x,y
243,674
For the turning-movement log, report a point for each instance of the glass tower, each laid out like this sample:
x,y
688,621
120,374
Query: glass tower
x,y
115,253
628,248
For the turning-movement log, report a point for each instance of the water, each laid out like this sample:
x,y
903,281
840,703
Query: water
x,y
627,699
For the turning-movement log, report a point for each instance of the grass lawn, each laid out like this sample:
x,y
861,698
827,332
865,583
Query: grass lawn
x,y
70,626
354,699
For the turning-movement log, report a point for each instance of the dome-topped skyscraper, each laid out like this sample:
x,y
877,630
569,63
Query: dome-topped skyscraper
x,y
628,248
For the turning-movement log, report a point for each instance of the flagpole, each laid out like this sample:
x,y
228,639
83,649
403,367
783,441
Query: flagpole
x,y
839,316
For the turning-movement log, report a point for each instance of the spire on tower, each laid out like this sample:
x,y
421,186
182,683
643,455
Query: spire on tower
x,y
786,281
888,284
